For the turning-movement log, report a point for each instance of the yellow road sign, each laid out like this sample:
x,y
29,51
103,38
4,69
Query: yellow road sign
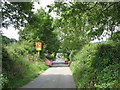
x,y
38,46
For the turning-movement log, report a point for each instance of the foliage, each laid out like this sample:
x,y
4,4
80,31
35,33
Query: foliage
x,y
20,63
21,48
70,41
3,80
6,40
115,37
91,18
94,65
41,30
19,69
16,13
97,66
81,22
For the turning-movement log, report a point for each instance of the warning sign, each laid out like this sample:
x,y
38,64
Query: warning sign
x,y
38,46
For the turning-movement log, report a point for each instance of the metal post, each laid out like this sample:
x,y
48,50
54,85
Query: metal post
x,y
38,53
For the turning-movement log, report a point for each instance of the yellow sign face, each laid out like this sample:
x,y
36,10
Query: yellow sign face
x,y
38,46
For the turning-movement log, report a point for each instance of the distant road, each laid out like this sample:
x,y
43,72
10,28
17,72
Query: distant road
x,y
54,77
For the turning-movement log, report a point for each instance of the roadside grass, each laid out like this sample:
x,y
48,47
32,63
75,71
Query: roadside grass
x,y
97,66
20,69
27,77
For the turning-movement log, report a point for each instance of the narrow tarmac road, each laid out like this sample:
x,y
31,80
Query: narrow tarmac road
x,y
54,77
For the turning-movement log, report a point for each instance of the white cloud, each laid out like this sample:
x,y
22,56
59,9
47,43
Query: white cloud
x,y
11,33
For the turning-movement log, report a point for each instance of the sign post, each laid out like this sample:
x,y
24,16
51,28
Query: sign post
x,y
39,53
38,47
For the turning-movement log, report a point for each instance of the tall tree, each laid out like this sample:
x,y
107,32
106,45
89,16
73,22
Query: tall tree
x,y
41,29
81,22
16,13
92,18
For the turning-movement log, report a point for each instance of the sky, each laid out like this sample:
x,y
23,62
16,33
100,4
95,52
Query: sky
x,y
11,32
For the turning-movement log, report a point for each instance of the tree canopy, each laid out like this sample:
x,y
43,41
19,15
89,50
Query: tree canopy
x,y
6,40
41,30
89,17
16,13
82,22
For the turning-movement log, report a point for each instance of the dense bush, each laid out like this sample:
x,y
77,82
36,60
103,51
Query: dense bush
x,y
6,40
18,69
97,66
21,48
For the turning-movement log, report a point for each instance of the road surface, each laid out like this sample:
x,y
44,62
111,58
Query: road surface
x,y
54,77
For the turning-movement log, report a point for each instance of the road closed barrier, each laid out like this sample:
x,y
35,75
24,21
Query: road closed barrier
x,y
49,63
66,61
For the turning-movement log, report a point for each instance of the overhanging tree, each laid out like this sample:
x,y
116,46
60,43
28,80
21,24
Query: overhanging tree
x,y
41,29
81,22
89,17
16,13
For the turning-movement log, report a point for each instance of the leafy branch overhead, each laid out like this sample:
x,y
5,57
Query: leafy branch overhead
x,y
16,13
92,18
40,29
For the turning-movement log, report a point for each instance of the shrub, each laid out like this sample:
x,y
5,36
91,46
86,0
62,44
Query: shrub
x,y
19,69
97,65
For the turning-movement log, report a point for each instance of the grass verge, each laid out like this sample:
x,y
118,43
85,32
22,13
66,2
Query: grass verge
x,y
18,70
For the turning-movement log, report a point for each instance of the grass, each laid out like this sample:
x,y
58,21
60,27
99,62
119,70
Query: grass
x,y
27,78
20,69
